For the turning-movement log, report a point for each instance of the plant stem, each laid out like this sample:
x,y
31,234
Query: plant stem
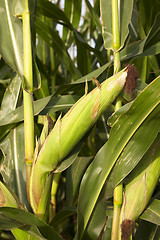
x,y
28,73
43,47
56,176
27,95
118,191
55,183
115,25
116,35
53,79
29,134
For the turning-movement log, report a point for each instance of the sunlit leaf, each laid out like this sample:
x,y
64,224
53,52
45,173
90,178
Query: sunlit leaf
x,y
52,38
152,213
9,101
13,167
120,135
51,10
11,38
30,222
74,177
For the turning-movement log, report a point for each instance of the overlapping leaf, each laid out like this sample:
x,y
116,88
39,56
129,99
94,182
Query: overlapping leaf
x,y
152,213
11,38
28,222
51,10
10,98
122,131
72,10
148,231
134,150
148,46
52,38
13,167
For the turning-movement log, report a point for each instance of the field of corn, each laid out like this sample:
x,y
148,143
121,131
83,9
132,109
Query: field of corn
x,y
80,119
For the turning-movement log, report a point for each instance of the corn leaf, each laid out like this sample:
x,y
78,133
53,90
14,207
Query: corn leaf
x,y
11,38
69,160
10,98
152,213
74,176
148,46
63,215
134,150
96,222
94,16
83,56
51,10
15,172
44,105
120,135
147,231
52,38
31,224
72,10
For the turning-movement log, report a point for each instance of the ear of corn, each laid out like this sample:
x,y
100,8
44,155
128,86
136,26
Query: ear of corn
x,y
139,188
69,130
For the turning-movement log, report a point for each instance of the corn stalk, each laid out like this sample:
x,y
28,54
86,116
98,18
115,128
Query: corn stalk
x,y
27,93
117,65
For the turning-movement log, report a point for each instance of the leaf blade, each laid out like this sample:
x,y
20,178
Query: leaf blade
x,y
100,168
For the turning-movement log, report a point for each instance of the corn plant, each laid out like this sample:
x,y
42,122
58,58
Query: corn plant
x,y
79,119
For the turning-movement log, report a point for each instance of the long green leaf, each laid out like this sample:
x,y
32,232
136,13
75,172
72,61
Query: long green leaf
x,y
148,46
51,10
121,133
88,77
72,10
11,40
52,38
43,106
83,43
15,173
94,16
30,222
17,115
10,98
63,215
74,177
83,57
152,213
147,231
9,199
134,150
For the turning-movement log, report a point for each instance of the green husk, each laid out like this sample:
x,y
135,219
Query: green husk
x,y
68,131
140,186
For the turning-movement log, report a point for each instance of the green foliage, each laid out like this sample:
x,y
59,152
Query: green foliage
x,y
79,158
